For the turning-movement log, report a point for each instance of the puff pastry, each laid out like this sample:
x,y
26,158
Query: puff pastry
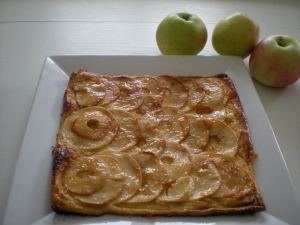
x,y
153,145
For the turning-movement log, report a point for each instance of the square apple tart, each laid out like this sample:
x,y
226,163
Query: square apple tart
x,y
153,145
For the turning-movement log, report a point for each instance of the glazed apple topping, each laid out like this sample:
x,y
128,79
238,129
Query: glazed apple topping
x,y
179,191
93,89
210,108
150,111
175,124
160,140
198,135
130,97
213,87
93,125
129,131
235,179
175,93
132,171
154,177
85,176
176,160
89,92
113,184
205,176
112,91
150,86
222,139
151,141
88,129
195,93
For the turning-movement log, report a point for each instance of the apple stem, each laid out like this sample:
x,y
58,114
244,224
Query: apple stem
x,y
186,17
279,42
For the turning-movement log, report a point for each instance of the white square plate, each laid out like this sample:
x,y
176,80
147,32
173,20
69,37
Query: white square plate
x,y
29,200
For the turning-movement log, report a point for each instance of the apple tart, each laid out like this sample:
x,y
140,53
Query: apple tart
x,y
153,145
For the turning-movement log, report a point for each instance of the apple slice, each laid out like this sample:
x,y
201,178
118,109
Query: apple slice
x,y
84,176
179,191
113,184
154,177
176,160
233,122
235,178
175,93
150,111
198,135
205,176
112,92
228,93
93,89
210,108
130,97
89,92
195,93
128,133
93,125
175,124
151,87
132,171
222,139
73,133
150,141
212,86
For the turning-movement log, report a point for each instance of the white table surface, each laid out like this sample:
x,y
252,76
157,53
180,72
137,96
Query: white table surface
x,y
30,30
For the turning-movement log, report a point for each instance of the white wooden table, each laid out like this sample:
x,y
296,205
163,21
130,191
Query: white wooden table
x,y
30,30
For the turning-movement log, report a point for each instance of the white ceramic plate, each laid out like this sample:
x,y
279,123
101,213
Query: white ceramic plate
x,y
29,200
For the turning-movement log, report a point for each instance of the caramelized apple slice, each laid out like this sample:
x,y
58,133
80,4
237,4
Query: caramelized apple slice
x,y
175,93
175,124
213,87
81,130
130,97
150,111
85,176
93,89
222,139
228,93
210,108
205,176
179,191
129,131
93,125
132,171
176,160
235,178
112,92
151,87
233,122
150,141
154,177
195,93
112,187
198,135
89,92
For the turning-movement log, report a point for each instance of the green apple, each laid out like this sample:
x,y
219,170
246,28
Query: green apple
x,y
275,61
236,35
181,33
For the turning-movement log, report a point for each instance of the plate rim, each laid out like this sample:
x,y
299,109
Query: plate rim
x,y
54,59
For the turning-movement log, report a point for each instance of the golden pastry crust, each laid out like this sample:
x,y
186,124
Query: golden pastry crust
x,y
126,146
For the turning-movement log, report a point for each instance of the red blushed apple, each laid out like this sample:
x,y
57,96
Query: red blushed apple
x,y
275,61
